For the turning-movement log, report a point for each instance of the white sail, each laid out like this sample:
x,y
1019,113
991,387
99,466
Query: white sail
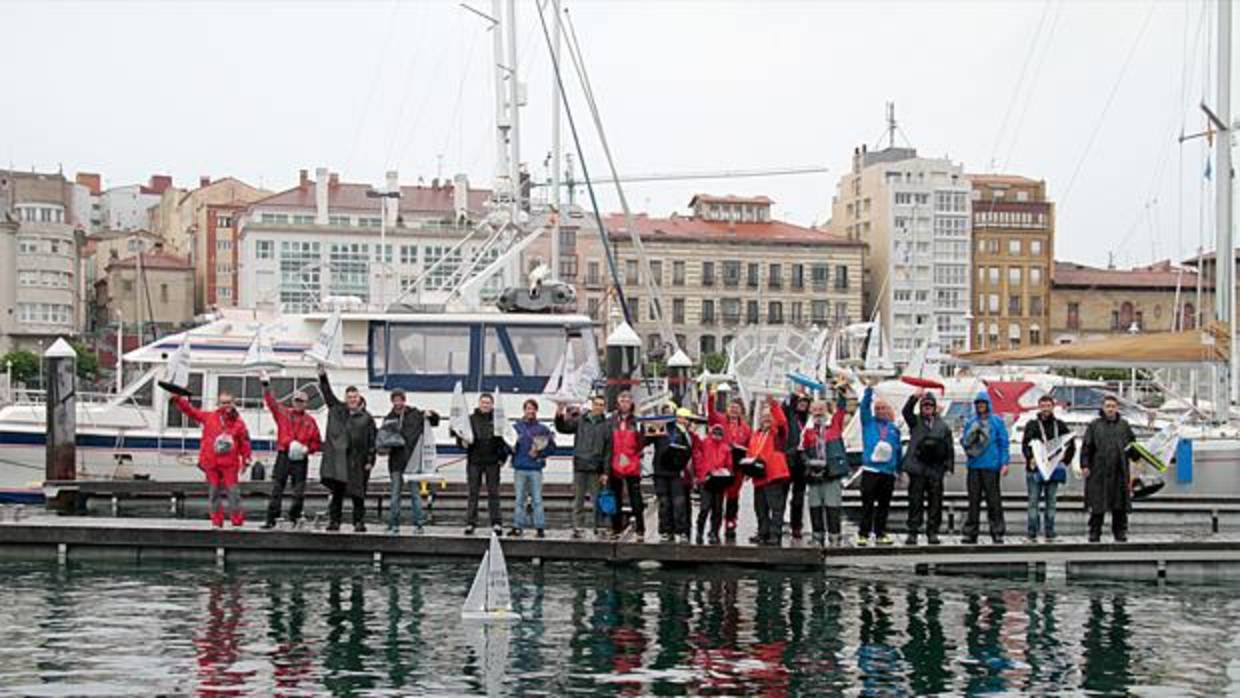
x,y
458,416
328,349
176,371
261,356
476,602
1048,456
504,428
586,375
425,459
555,382
877,358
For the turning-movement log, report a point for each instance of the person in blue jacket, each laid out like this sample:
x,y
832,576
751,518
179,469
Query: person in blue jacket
x,y
880,464
985,442
534,442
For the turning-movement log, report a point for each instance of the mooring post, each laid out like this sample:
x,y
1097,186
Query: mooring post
x,y
1214,520
622,347
678,368
60,461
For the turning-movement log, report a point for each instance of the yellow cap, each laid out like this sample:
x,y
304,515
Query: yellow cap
x,y
684,412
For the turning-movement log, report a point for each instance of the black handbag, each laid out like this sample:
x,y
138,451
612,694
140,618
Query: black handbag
x,y
837,460
754,467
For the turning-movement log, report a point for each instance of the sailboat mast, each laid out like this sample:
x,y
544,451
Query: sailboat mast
x,y
556,149
1225,264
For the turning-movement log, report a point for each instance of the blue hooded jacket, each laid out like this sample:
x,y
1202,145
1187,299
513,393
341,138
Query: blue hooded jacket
x,y
526,432
874,429
996,454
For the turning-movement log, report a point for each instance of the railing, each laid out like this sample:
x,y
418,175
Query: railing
x,y
23,397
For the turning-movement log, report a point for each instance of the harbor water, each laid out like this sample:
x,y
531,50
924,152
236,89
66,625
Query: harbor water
x,y
593,630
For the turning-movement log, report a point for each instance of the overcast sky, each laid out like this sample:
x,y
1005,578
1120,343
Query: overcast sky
x,y
1088,96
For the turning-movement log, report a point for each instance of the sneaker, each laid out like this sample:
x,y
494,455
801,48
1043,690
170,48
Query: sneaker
x,y
333,526
359,528
885,540
667,538
755,540
714,539
541,533
820,541
640,537
730,535
997,540
861,541
1121,538
268,525
932,539
469,530
497,529
578,534
699,538
1095,539
911,539
1031,538
836,540
1050,537
514,533
968,540
392,531
419,530
796,534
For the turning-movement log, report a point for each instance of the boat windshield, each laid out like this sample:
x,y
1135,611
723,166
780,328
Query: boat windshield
x,y
507,354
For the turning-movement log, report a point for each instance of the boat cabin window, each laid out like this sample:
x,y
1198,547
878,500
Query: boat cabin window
x,y
144,396
248,390
425,357
283,389
175,418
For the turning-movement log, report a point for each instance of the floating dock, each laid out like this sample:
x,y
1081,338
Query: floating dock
x,y
1187,557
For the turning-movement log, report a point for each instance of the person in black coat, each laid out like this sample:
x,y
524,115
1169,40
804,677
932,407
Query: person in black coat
x,y
796,408
673,454
348,452
409,422
1104,463
483,458
930,457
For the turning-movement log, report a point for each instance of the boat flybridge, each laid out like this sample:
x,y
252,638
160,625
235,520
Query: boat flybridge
x,y
138,433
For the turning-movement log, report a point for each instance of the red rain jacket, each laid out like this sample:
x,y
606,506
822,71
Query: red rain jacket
x,y
215,423
292,427
627,442
769,446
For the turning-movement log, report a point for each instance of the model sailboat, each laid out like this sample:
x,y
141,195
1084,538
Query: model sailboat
x,y
923,368
877,354
490,597
176,372
425,461
503,426
328,349
458,416
261,355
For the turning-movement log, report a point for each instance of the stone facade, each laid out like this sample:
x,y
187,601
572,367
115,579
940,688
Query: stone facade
x,y
1089,303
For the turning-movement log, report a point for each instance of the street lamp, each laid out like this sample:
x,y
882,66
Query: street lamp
x,y
383,197
120,350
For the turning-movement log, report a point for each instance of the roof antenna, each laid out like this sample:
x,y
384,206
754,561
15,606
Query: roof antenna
x,y
891,124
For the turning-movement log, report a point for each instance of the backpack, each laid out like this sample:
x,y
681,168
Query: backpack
x,y
606,502
977,440
389,436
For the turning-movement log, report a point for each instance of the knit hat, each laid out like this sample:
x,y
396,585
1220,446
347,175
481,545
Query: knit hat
x,y
929,398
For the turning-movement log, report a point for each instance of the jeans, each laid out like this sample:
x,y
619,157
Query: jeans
x,y
673,505
398,486
925,500
335,506
584,484
284,470
984,484
476,473
633,484
529,484
876,489
1037,491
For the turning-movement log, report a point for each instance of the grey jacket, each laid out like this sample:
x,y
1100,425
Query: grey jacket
x,y
348,443
917,458
591,441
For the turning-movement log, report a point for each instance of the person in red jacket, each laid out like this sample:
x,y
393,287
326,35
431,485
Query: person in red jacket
x,y
736,433
297,437
223,454
713,474
625,471
771,489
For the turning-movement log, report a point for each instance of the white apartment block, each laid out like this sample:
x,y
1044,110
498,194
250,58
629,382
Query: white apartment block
x,y
327,238
914,213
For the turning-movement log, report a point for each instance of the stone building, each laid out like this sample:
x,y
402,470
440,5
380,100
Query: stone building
x,y
1090,303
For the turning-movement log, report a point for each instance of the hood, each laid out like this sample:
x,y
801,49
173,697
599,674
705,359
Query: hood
x,y
983,396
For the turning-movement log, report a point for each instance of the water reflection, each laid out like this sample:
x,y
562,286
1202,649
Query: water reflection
x,y
592,630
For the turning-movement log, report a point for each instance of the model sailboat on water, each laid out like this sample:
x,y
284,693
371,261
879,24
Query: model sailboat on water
x,y
490,597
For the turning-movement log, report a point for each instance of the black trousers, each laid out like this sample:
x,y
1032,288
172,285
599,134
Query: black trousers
x,y
796,465
984,484
925,500
1119,523
335,505
633,484
284,470
476,474
761,512
710,507
876,490
673,505
776,496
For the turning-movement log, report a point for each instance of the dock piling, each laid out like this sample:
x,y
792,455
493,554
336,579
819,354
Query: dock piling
x,y
60,461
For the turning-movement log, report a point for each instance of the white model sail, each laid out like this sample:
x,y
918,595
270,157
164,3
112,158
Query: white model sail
x,y
458,416
503,425
176,372
261,355
555,383
490,596
328,349
1048,456
877,358
425,460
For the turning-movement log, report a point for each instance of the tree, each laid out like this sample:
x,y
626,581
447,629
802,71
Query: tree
x,y
87,361
714,362
25,365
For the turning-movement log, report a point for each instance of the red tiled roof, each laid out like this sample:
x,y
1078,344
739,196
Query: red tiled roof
x,y
348,196
1000,179
697,229
729,199
154,260
1158,276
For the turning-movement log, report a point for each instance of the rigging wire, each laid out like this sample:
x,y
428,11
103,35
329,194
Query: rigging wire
x,y
376,73
1033,84
404,100
1020,79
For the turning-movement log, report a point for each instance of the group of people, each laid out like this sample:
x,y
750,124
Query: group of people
x,y
798,455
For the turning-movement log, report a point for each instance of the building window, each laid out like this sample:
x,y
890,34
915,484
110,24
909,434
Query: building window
x,y
1035,276
568,267
350,270
274,218
992,303
708,273
1014,336
630,272
1035,249
264,249
775,313
656,271
654,310
819,276
383,254
592,307
635,307
678,273
731,273
706,345
708,311
303,219
1114,320
775,279
163,293
45,313
1035,334
440,265
731,310
1189,321
993,334
994,276
798,277
678,311
408,254
752,277
568,241
592,275
841,277
796,317
1014,248
222,293
1125,316
299,276
223,221
819,311
752,315
1014,276
339,221
1014,305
